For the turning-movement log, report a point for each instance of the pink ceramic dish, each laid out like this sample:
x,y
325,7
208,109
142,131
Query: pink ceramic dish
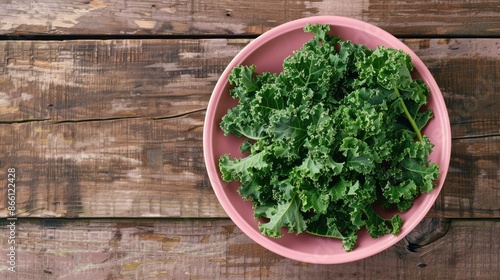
x,y
267,52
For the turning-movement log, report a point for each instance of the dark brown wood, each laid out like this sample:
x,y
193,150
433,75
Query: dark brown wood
x,y
179,17
427,232
114,128
217,249
474,169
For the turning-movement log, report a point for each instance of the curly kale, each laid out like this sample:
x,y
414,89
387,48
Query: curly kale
x,y
338,130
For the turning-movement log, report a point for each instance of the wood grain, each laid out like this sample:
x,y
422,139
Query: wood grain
x,y
26,18
96,80
122,168
102,104
217,249
114,128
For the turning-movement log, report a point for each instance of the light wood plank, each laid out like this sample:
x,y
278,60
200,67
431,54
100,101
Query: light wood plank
x,y
125,168
92,80
26,18
217,249
82,80
141,168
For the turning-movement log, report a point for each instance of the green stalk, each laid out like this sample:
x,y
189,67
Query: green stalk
x,y
408,116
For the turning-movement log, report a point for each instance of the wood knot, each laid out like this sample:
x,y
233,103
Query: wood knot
x,y
428,231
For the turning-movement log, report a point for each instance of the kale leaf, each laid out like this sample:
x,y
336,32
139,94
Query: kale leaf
x,y
333,134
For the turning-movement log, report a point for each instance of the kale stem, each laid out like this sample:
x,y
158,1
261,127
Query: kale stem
x,y
407,114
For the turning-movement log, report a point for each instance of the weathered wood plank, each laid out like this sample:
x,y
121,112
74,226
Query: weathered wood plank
x,y
122,168
472,185
127,142
180,17
82,80
144,167
217,249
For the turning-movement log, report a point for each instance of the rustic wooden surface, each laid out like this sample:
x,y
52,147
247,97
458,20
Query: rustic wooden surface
x,y
114,128
216,248
101,112
225,17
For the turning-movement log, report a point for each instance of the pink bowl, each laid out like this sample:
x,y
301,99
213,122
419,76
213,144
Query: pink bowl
x,y
267,52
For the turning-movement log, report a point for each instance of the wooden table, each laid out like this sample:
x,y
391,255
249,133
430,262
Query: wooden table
x,y
102,106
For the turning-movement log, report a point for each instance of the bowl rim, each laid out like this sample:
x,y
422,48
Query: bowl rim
x,y
209,124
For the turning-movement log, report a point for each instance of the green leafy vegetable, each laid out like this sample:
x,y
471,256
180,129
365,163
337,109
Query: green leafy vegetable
x,y
333,134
